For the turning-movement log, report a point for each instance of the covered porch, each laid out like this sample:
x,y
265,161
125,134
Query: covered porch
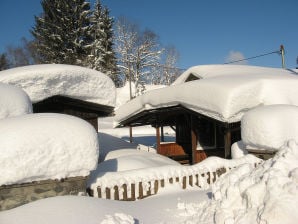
x,y
196,136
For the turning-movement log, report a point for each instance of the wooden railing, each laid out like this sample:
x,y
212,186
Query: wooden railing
x,y
137,184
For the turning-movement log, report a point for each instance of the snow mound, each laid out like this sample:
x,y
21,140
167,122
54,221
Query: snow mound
x,y
224,97
132,159
265,194
46,146
270,126
46,80
13,101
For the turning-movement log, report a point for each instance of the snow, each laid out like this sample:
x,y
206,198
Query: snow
x,y
46,146
46,80
20,104
267,127
209,71
247,194
254,191
223,97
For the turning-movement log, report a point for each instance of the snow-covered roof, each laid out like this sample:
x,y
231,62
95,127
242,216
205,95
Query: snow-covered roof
x,y
33,147
209,71
46,80
13,101
224,97
269,127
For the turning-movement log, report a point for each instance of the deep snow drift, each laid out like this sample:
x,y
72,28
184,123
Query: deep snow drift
x,y
46,80
46,146
13,101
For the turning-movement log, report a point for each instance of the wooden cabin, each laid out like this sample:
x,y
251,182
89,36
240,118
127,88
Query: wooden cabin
x,y
197,136
83,109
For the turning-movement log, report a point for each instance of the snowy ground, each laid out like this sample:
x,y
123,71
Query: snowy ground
x,y
267,194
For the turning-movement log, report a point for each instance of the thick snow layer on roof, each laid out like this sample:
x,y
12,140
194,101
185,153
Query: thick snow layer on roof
x,y
46,80
46,146
209,71
13,101
225,97
270,126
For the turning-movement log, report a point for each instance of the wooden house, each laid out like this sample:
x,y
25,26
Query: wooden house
x,y
204,107
83,109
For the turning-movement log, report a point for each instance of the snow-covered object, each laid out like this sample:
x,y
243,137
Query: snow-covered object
x,y
238,149
209,71
13,101
269,127
224,97
46,146
46,80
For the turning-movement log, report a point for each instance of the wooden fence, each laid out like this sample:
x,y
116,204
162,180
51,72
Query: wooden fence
x,y
140,190
137,184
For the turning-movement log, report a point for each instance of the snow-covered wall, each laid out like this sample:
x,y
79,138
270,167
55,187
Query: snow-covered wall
x,y
46,146
13,101
46,80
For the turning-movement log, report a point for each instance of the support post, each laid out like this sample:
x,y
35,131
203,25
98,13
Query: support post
x,y
282,52
162,134
130,134
227,140
193,142
157,139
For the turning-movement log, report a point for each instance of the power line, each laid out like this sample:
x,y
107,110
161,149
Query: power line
x,y
261,55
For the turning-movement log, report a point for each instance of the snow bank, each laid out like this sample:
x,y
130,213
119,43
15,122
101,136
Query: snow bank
x,y
265,194
46,80
225,97
46,146
268,127
13,101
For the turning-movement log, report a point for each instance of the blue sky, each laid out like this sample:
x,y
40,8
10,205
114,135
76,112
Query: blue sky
x,y
203,31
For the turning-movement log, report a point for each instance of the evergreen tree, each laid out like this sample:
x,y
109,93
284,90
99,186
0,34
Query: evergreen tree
x,y
3,62
102,57
62,32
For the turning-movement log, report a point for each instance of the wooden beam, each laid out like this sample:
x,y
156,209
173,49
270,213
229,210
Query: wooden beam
x,y
227,140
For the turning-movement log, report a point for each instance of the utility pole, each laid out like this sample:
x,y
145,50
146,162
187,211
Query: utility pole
x,y
282,52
